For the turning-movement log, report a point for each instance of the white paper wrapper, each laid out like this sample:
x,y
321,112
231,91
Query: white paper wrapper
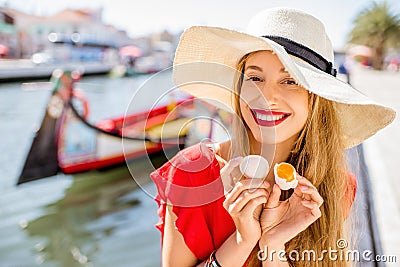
x,y
283,184
254,166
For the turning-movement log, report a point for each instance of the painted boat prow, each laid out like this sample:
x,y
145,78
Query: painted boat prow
x,y
41,160
37,163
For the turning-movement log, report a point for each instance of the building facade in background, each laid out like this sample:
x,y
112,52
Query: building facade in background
x,y
67,35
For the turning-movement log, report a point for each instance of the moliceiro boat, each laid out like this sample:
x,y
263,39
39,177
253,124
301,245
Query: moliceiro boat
x,y
67,142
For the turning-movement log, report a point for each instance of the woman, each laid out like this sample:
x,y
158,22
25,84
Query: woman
x,y
288,107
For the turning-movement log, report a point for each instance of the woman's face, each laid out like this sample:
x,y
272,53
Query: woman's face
x,y
273,106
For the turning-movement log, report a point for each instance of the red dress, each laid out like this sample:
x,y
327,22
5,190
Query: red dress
x,y
190,181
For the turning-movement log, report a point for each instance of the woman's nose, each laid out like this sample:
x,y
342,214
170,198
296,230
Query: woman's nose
x,y
271,92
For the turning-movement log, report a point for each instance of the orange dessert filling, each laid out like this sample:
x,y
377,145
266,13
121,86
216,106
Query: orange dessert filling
x,y
286,171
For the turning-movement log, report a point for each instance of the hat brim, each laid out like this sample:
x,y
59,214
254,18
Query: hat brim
x,y
360,117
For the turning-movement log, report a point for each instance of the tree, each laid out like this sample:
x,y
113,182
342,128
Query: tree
x,y
379,28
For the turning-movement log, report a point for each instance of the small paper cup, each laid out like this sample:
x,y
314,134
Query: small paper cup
x,y
254,166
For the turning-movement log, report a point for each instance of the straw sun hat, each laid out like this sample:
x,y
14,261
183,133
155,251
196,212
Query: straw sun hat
x,y
206,58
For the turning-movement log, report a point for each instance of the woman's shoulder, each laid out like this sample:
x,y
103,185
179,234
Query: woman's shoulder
x,y
203,150
195,160
190,178
199,156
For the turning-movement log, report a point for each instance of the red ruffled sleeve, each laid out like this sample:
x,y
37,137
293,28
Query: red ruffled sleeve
x,y
350,193
189,182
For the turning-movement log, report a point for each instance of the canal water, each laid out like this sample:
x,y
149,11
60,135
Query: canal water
x,y
98,218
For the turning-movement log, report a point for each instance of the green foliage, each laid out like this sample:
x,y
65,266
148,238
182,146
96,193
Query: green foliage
x,y
378,27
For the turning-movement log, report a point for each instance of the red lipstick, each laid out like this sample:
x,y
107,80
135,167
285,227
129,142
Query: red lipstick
x,y
268,118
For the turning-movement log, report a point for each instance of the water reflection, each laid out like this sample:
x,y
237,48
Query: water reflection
x,y
94,208
94,219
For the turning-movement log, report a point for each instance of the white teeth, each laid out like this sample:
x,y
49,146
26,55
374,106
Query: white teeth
x,y
268,117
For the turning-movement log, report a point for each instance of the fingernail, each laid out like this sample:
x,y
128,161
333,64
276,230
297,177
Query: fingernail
x,y
304,188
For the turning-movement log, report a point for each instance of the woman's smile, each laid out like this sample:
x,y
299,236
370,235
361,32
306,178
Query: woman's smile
x,y
268,118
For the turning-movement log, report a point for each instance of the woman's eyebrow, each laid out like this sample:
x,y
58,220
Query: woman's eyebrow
x,y
283,69
254,67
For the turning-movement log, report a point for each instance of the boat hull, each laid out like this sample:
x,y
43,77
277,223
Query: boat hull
x,y
68,142
82,149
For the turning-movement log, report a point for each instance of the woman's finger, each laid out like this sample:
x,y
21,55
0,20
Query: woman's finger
x,y
222,162
311,193
244,184
304,181
253,204
273,200
229,166
315,211
245,198
228,173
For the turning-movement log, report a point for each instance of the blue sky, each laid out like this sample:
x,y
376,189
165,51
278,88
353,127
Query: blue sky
x,y
141,17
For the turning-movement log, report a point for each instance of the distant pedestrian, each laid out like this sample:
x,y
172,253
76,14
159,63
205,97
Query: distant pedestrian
x,y
278,81
345,71
3,51
393,65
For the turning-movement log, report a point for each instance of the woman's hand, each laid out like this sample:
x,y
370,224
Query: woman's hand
x,y
244,204
282,220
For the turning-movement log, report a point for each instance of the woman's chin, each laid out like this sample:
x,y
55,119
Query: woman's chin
x,y
267,140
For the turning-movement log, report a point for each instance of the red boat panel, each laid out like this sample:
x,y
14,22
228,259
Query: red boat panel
x,y
87,166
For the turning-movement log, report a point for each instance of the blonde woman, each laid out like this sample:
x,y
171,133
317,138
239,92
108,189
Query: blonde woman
x,y
278,80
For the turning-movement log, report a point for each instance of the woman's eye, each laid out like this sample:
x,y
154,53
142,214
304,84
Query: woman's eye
x,y
254,79
290,82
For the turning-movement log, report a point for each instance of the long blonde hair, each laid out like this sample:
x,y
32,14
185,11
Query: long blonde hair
x,y
318,155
